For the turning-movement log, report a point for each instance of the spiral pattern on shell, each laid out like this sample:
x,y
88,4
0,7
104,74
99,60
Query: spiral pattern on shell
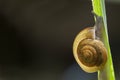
x,y
90,52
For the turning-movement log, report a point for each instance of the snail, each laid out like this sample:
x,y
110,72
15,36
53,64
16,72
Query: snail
x,y
89,51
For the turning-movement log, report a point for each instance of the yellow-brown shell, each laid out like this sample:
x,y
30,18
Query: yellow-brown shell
x,y
89,53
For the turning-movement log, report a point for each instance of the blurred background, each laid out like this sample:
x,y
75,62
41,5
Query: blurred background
x,y
36,38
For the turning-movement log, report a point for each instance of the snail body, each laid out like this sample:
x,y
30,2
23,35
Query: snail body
x,y
89,52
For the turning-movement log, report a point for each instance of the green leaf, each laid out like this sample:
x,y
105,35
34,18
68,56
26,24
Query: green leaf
x,y
108,72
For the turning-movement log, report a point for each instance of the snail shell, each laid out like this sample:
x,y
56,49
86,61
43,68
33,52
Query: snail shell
x,y
89,52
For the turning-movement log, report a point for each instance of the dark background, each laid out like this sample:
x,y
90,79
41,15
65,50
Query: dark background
x,y
36,38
